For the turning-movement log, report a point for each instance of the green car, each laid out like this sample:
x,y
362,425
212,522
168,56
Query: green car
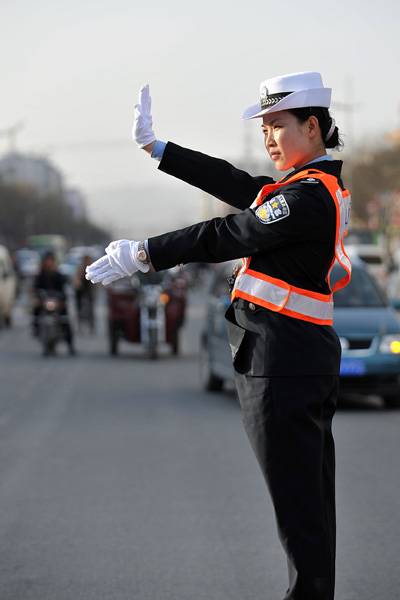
x,y
368,328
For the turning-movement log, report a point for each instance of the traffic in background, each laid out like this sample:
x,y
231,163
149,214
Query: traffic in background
x,y
150,311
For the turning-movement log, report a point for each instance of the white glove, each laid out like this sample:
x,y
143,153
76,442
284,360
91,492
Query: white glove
x,y
119,261
142,130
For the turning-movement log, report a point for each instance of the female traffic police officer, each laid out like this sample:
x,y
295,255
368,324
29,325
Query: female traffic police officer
x,y
286,354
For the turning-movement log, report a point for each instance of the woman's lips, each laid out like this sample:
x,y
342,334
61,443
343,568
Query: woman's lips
x,y
275,155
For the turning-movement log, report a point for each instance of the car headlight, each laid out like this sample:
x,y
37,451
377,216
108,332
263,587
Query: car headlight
x,y
390,344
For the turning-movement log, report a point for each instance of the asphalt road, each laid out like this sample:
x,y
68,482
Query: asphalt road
x,y
121,479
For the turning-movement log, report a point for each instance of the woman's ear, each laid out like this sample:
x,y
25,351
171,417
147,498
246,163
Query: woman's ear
x,y
313,128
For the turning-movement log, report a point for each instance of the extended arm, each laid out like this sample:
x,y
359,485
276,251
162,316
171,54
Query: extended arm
x,y
244,234
283,220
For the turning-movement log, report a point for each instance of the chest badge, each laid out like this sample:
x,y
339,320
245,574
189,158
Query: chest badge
x,y
273,210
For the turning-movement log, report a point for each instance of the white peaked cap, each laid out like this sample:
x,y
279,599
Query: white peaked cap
x,y
296,90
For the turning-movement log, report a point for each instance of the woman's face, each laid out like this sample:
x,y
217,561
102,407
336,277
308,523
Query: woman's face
x,y
49,264
289,142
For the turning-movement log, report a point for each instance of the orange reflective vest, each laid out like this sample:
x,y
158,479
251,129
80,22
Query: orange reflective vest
x,y
280,296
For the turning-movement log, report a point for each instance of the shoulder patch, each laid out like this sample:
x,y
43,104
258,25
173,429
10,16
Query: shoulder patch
x,y
273,210
310,180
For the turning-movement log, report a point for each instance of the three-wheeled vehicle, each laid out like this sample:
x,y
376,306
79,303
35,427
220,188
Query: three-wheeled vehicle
x,y
147,309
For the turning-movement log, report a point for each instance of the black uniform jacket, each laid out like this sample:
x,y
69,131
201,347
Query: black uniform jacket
x,y
297,248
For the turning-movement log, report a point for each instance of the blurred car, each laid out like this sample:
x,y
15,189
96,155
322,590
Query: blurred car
x,y
215,354
8,287
28,262
48,242
374,258
393,285
363,236
368,328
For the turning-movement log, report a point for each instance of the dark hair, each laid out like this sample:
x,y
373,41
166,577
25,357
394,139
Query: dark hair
x,y
324,120
46,256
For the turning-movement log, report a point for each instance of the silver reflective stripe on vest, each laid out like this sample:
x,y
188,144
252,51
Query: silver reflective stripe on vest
x,y
311,307
262,289
276,295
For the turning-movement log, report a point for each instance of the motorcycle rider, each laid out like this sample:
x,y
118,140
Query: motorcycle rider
x,y
51,280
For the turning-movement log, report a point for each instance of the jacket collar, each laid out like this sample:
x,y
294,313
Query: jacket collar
x,y
332,167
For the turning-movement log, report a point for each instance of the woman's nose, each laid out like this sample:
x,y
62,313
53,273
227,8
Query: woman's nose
x,y
269,139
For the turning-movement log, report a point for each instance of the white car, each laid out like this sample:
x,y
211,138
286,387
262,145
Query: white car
x,y
8,286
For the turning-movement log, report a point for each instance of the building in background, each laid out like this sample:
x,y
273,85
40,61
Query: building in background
x,y
39,173
77,202
32,171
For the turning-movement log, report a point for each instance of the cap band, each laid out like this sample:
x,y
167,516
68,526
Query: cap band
x,y
272,99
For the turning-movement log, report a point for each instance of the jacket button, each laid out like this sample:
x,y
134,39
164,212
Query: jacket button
x,y
252,306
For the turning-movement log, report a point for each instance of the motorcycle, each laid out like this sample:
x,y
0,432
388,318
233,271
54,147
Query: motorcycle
x,y
52,320
148,310
152,318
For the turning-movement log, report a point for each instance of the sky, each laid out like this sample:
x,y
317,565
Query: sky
x,y
71,72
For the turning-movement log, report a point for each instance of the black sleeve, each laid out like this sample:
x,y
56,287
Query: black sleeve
x,y
245,234
212,175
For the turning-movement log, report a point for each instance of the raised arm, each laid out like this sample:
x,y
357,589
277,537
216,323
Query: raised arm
x,y
213,175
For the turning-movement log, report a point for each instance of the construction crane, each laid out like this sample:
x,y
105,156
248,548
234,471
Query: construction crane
x,y
11,134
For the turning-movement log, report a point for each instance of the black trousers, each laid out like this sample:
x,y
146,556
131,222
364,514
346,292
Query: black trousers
x,y
288,421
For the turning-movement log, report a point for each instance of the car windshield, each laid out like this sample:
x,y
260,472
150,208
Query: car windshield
x,y
372,259
362,290
360,236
